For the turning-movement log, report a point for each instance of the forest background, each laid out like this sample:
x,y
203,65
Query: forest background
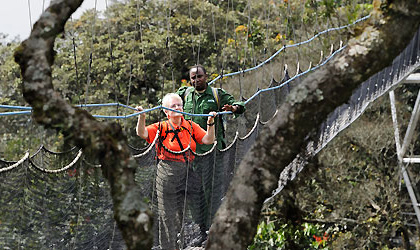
x,y
350,197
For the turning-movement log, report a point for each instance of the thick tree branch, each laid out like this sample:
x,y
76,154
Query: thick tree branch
x,y
384,36
104,141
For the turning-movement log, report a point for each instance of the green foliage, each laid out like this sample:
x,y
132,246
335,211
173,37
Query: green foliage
x,y
353,12
10,81
285,236
267,237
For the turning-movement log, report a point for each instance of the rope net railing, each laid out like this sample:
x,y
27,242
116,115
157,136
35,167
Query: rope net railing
x,y
66,209
60,200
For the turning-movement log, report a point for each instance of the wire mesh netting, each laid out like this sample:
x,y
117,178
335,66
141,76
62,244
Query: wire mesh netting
x,y
70,208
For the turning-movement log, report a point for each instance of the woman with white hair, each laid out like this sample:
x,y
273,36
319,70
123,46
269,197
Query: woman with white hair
x,y
187,133
175,146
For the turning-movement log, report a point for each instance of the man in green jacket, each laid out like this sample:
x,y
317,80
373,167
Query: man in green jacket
x,y
201,99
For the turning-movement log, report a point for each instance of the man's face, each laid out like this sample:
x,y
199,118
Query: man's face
x,y
198,78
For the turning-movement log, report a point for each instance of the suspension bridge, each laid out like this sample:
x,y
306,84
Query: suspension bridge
x,y
69,206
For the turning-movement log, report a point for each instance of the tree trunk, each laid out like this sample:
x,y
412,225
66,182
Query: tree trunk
x,y
104,141
383,36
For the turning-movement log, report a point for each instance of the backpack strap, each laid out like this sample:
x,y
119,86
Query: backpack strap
x,y
191,134
161,137
187,92
215,92
176,131
216,97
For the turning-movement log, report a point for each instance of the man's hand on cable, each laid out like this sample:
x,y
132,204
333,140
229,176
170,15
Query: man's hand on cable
x,y
228,107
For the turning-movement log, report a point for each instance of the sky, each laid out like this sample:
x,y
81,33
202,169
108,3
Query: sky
x,y
14,14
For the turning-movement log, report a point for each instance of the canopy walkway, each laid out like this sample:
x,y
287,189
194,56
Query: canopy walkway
x,y
59,200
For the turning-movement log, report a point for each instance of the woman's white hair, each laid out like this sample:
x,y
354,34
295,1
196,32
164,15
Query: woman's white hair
x,y
168,97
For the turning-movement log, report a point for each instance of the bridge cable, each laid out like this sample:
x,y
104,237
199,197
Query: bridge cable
x,y
90,54
75,63
168,43
117,90
191,29
200,28
30,14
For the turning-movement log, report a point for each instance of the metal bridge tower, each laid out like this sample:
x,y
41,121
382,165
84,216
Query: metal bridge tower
x,y
405,158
